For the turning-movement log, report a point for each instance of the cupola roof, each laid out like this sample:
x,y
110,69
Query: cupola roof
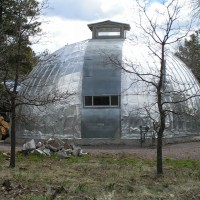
x,y
108,29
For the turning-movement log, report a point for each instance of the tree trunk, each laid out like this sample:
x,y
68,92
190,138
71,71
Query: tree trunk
x,y
159,155
14,93
13,139
160,96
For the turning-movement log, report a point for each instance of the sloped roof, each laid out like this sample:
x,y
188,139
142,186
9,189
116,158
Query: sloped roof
x,y
111,23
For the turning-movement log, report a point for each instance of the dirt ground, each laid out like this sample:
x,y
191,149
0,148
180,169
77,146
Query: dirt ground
x,y
190,150
187,150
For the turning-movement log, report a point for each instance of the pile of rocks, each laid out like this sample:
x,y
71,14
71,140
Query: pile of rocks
x,y
56,146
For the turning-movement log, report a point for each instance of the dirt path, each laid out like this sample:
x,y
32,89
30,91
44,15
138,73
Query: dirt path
x,y
190,150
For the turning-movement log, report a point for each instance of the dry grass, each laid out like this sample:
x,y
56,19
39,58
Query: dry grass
x,y
100,177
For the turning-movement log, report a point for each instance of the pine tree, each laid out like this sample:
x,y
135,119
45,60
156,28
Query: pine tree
x,y
18,22
189,53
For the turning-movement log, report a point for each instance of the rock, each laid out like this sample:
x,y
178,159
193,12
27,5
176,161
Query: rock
x,y
63,154
47,151
196,139
38,151
7,155
29,145
54,144
52,148
39,145
68,151
66,146
76,151
62,148
83,153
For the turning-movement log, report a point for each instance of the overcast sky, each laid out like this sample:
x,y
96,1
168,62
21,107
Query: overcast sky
x,y
66,20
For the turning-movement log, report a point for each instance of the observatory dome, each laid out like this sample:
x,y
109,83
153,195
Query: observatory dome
x,y
106,97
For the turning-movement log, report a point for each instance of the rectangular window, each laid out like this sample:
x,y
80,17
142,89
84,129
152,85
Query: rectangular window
x,y
88,100
104,101
114,100
108,32
101,100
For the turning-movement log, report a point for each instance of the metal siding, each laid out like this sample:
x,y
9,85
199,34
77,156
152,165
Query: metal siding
x,y
101,78
100,123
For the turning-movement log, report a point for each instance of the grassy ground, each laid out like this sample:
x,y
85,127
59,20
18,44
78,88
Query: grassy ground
x,y
100,177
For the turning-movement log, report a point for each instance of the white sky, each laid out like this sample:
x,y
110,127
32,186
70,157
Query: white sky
x,y
67,19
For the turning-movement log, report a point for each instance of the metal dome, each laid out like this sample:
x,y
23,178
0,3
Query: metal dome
x,y
108,102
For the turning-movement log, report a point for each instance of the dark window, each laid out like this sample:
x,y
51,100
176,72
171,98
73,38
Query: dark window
x,y
101,100
114,101
88,100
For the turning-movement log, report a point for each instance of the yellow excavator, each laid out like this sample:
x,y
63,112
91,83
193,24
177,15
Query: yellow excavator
x,y
4,128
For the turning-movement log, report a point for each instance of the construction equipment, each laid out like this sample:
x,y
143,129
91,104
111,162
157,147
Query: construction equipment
x,y
4,128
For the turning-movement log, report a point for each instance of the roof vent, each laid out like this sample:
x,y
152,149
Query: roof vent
x,y
108,29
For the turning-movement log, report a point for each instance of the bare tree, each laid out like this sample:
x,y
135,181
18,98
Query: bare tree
x,y
196,8
157,32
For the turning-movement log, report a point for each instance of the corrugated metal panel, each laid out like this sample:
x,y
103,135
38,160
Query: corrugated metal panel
x,y
101,77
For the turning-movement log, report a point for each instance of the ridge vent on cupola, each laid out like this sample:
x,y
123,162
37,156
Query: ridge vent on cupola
x,y
109,30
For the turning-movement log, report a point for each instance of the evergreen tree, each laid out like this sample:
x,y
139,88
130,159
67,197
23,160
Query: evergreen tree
x,y
18,22
189,53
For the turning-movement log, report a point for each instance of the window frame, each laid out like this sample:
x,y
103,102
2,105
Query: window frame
x,y
102,106
108,32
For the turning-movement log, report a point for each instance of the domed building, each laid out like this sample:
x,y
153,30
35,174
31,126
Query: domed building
x,y
107,99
